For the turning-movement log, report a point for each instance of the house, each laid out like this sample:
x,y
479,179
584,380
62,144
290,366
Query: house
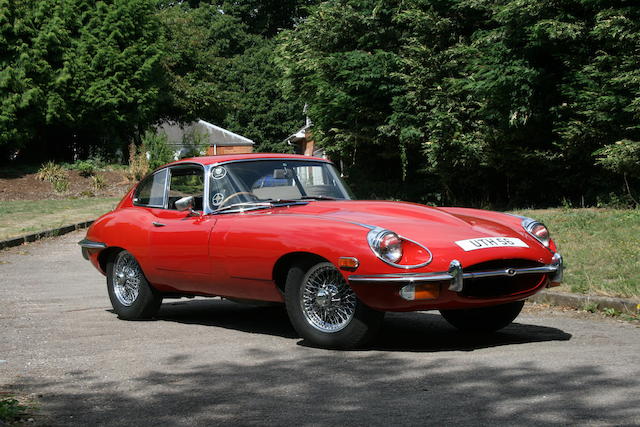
x,y
303,141
204,137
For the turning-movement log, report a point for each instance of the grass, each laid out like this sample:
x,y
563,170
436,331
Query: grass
x,y
19,217
11,410
601,249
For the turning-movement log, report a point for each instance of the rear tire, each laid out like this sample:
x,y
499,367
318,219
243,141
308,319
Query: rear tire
x,y
483,319
325,311
131,295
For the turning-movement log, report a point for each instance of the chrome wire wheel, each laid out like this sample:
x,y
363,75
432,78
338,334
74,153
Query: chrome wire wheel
x,y
126,279
327,302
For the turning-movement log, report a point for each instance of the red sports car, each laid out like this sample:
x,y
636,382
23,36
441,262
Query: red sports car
x,y
286,229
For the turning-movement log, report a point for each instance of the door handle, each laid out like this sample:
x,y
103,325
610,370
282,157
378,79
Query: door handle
x,y
158,224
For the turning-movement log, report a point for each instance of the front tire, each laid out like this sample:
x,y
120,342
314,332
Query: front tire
x,y
131,295
483,319
325,311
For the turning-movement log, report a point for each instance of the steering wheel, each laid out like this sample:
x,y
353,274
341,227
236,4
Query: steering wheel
x,y
231,196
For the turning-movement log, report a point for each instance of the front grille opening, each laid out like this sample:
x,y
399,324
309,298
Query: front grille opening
x,y
489,287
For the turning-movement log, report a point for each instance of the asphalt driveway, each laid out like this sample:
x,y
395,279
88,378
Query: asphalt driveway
x,y
208,361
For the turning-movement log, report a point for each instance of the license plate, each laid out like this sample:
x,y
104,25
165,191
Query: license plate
x,y
491,242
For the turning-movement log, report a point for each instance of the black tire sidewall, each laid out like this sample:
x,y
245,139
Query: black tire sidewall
x,y
146,304
360,330
484,319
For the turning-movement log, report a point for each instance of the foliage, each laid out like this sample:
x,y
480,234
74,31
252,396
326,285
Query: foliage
x,y
195,144
51,172
76,75
98,182
86,168
11,410
623,158
493,102
138,163
157,147
56,175
220,72
487,103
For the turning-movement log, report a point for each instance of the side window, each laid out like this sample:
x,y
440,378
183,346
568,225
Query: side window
x,y
186,181
150,191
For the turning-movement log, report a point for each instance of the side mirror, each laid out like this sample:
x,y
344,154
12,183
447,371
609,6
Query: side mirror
x,y
185,204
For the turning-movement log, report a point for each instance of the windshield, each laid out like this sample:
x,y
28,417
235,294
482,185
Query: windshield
x,y
273,180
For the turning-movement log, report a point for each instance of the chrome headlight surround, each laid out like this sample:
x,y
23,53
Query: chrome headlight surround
x,y
537,230
376,238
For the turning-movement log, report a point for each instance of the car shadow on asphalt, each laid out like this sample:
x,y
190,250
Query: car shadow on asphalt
x,y
306,387
409,332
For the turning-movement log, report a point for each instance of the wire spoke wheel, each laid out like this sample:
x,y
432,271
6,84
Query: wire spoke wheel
x,y
327,302
127,277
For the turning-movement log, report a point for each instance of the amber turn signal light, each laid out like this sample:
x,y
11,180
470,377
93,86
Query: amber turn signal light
x,y
348,263
420,291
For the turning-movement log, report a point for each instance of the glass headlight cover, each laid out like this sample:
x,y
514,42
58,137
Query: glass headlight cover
x,y
538,230
386,244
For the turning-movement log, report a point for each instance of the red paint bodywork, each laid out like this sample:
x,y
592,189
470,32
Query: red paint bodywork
x,y
234,254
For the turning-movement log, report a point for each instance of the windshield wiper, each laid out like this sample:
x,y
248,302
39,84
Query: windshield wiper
x,y
317,198
270,203
248,205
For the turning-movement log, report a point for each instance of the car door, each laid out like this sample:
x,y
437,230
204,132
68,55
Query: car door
x,y
179,240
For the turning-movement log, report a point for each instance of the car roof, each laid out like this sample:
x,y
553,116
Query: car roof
x,y
210,160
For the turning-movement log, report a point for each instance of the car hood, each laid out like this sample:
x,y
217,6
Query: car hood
x,y
434,227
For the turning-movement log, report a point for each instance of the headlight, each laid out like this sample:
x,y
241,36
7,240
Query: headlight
x,y
537,230
386,244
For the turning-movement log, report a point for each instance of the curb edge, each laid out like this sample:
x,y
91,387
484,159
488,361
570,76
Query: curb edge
x,y
580,301
17,241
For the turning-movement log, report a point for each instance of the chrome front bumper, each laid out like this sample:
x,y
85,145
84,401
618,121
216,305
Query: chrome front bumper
x,y
456,276
90,244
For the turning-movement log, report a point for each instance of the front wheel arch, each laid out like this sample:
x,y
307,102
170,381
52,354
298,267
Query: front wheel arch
x,y
106,255
285,262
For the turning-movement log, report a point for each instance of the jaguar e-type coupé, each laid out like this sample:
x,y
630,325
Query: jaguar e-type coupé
x,y
286,229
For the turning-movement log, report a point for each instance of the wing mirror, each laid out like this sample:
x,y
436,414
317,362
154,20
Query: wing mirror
x,y
186,204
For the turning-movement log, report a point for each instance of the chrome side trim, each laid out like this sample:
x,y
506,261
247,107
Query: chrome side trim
x,y
455,274
90,244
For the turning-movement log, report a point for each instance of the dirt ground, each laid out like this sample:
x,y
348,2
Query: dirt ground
x,y
25,186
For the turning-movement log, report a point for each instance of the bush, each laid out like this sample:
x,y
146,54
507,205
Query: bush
x,y
195,144
157,146
98,182
50,172
138,162
56,175
85,167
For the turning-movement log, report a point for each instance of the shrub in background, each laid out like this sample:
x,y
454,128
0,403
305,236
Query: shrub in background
x,y
98,182
138,162
157,147
622,158
55,174
195,144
